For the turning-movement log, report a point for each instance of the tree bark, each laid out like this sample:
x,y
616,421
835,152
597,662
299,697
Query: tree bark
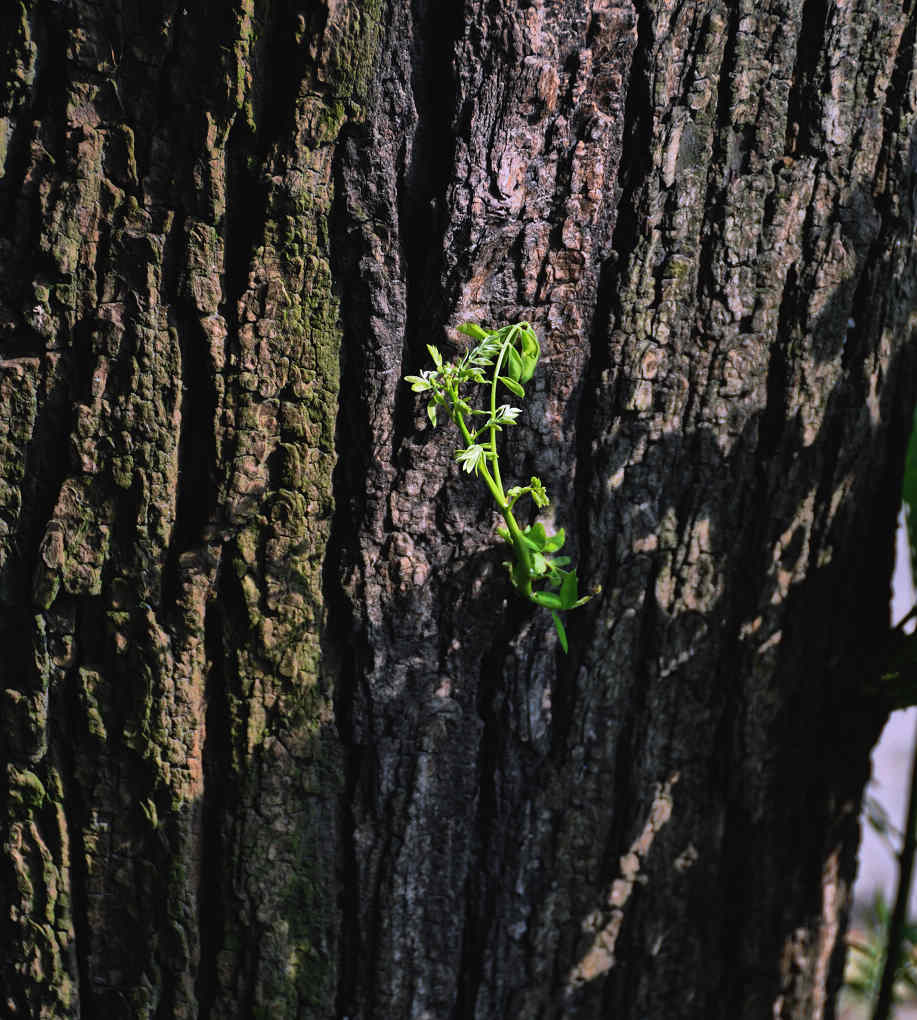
x,y
279,739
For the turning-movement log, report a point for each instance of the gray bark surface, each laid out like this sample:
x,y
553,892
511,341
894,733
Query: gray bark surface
x,y
280,741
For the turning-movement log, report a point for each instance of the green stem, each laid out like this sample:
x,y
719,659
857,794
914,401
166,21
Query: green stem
x,y
523,553
494,484
514,499
493,407
493,481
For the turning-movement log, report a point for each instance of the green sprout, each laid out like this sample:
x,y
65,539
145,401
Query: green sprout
x,y
508,357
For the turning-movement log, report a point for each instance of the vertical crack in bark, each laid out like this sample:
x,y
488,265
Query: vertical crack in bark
x,y
727,71
856,338
36,127
636,138
802,124
717,178
37,114
64,710
351,951
895,97
47,466
624,803
715,209
422,186
246,213
346,658
342,639
217,766
195,501
195,498
226,629
52,75
154,108
282,70
79,896
483,886
588,413
773,419
352,430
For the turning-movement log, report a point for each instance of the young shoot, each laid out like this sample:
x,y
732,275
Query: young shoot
x,y
503,360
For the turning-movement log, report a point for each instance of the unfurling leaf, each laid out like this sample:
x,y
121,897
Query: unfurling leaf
x,y
473,330
512,386
539,496
507,415
513,364
471,457
531,352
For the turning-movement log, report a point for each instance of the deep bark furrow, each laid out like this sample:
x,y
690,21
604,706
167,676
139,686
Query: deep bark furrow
x,y
807,80
78,892
425,176
216,806
905,59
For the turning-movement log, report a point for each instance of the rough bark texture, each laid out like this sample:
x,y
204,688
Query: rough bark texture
x,y
279,741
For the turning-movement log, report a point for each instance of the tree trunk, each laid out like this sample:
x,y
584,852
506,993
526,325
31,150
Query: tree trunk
x,y
280,740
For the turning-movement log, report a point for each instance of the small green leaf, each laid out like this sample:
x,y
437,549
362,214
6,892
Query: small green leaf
x,y
431,412
539,564
512,386
435,355
532,540
568,589
555,541
473,330
547,599
418,385
561,632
